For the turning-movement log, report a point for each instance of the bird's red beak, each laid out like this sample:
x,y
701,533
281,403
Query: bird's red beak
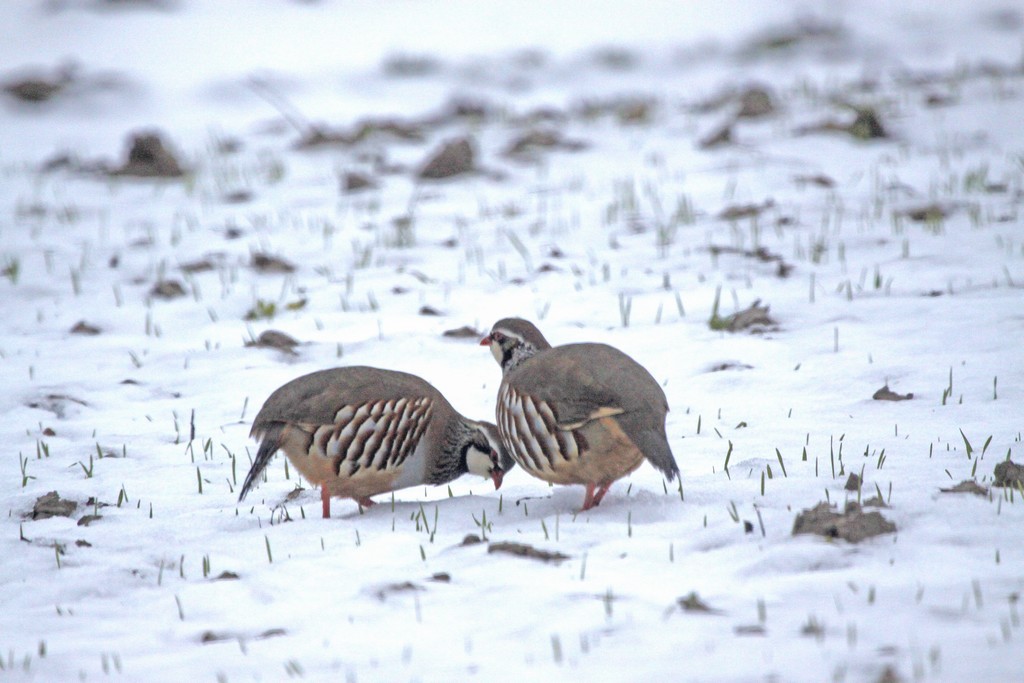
x,y
497,476
486,341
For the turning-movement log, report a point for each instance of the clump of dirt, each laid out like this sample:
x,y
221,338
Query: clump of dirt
x,y
82,327
889,675
52,505
755,317
818,179
240,196
693,603
887,394
928,213
627,110
738,211
464,332
529,145
1009,473
761,254
452,158
755,102
967,486
265,263
382,592
387,128
866,125
524,550
198,266
215,637
149,157
39,87
729,365
853,483
853,525
274,339
167,289
356,182
314,136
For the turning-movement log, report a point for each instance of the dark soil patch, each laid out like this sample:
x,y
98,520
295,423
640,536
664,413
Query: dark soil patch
x,y
215,637
52,505
396,588
755,102
928,213
693,603
853,525
265,263
887,394
82,327
274,339
524,550
528,145
452,158
149,157
755,317
761,253
167,289
356,182
967,486
1009,473
738,211
729,365
199,266
866,125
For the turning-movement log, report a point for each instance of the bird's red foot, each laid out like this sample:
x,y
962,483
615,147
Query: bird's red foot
x,y
593,498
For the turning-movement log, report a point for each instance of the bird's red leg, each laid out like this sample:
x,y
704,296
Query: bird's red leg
x,y
365,501
589,501
325,500
600,493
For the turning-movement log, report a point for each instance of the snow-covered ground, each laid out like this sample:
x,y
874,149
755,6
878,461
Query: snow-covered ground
x,y
893,261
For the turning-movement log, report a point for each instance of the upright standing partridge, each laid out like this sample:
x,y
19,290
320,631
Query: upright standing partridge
x,y
359,431
577,414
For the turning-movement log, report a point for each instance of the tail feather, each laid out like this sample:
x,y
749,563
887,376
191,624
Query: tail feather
x,y
657,451
270,442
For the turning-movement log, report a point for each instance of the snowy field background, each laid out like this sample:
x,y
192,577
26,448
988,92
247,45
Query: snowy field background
x,y
891,261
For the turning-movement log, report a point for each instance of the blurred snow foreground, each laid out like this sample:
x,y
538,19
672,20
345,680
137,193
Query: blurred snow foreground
x,y
803,219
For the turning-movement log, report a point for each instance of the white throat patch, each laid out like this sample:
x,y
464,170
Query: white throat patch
x,y
478,462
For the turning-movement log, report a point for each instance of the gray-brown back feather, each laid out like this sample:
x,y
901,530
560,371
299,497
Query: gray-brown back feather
x,y
577,379
317,397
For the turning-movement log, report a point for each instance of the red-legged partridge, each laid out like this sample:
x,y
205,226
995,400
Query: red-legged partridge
x,y
359,431
577,414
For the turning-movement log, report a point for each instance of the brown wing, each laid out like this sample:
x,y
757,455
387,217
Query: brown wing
x,y
582,382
